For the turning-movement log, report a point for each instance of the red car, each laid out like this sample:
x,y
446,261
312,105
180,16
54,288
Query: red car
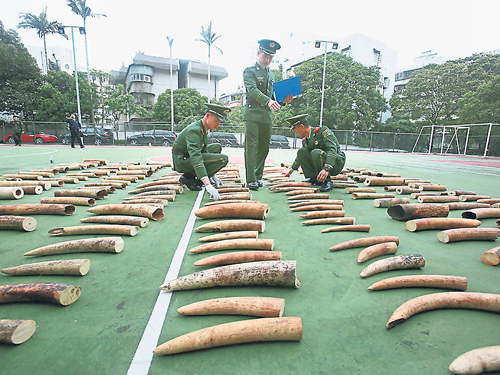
x,y
40,138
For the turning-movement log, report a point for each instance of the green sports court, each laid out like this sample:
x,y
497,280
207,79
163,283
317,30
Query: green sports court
x,y
122,315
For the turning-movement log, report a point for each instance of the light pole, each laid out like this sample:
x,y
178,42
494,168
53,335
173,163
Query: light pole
x,y
170,42
335,45
82,31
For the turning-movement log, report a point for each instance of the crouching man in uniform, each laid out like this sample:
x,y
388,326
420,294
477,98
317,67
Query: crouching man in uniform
x,y
198,160
320,156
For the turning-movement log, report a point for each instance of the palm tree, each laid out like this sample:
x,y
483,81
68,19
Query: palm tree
x,y
209,39
42,26
80,8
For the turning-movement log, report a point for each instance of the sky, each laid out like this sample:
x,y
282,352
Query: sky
x,y
450,28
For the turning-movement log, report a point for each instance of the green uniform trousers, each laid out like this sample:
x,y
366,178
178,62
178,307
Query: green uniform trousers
x,y
257,138
214,161
313,162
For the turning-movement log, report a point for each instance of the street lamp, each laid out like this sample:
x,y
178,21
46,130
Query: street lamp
x,y
170,42
335,45
82,31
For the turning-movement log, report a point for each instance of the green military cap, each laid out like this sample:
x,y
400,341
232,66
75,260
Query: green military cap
x,y
218,110
297,120
268,46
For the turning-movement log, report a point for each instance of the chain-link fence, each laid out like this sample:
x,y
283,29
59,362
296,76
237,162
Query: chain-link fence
x,y
471,140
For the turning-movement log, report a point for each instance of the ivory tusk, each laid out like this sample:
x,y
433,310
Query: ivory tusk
x,y
348,228
56,293
77,201
482,213
387,202
317,207
363,242
88,245
331,220
400,262
468,234
123,230
235,211
446,300
70,267
141,222
430,223
232,225
143,210
476,361
16,331
410,211
264,307
377,250
12,222
422,281
240,332
37,209
323,214
491,257
230,235
235,244
238,257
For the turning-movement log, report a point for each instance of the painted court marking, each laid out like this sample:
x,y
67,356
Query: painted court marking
x,y
149,341
36,154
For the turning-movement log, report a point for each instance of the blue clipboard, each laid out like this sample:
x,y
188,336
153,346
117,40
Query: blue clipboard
x,y
290,86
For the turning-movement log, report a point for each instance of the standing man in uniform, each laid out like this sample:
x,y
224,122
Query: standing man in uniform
x,y
257,113
320,156
198,160
18,130
76,130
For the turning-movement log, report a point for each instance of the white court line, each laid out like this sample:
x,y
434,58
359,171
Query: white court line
x,y
40,153
144,353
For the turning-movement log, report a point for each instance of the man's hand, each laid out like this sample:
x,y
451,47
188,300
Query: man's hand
x,y
274,105
322,175
288,99
288,173
213,192
217,181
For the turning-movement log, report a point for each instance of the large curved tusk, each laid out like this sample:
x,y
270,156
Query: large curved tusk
x,y
69,267
271,273
318,207
235,244
447,300
468,234
422,281
238,257
264,307
377,250
235,211
77,201
410,211
363,242
323,214
230,235
331,220
37,209
232,225
387,202
430,223
400,262
12,222
348,228
263,329
117,219
477,361
143,210
88,245
122,230
482,213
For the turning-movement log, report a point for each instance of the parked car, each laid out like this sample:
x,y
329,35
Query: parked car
x,y
96,136
279,141
155,137
40,138
225,139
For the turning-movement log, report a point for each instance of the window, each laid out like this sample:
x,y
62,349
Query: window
x,y
377,57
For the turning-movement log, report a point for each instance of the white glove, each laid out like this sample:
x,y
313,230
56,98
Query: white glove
x,y
217,181
213,192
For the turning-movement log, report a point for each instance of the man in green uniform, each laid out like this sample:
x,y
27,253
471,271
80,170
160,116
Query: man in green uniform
x,y
193,156
320,156
18,130
257,113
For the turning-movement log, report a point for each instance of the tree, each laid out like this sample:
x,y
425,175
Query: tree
x,y
19,75
118,104
42,26
209,38
100,84
57,97
351,99
188,103
483,105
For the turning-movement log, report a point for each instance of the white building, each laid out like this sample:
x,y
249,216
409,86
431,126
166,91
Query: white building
x,y
362,49
58,56
149,76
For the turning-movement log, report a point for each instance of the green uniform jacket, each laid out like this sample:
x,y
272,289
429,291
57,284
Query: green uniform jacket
x,y
18,126
259,85
192,143
324,139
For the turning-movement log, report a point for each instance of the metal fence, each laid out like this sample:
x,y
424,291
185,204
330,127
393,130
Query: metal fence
x,y
448,143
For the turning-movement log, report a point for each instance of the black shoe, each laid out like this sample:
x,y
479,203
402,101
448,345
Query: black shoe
x,y
72,146
313,181
253,186
260,183
190,183
326,186
82,146
199,183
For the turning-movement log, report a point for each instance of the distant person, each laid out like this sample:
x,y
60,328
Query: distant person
x,y
18,130
320,155
76,131
198,160
259,85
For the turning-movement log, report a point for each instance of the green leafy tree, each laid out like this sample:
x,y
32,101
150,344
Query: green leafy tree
x,y
20,76
483,105
57,97
188,104
351,99
209,39
118,104
100,85
42,26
